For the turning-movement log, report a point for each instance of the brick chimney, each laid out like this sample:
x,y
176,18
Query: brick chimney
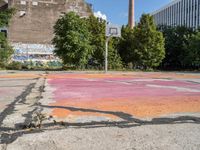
x,y
131,17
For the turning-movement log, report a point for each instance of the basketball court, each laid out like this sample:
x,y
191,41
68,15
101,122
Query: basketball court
x,y
140,95
124,106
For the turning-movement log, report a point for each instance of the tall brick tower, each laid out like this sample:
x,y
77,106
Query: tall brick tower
x,y
131,17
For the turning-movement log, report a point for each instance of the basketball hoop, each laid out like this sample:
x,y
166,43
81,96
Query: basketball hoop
x,y
111,31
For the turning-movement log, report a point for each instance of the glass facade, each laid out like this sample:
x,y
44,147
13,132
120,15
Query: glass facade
x,y
179,13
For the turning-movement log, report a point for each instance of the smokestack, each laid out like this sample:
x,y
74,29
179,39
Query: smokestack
x,y
131,17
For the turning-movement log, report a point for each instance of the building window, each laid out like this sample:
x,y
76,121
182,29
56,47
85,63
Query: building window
x,y
23,2
34,3
4,31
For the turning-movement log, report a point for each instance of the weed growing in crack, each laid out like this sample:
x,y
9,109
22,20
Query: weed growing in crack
x,y
38,118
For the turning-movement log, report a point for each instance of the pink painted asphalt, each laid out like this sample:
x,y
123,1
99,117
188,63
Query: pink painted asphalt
x,y
137,96
90,90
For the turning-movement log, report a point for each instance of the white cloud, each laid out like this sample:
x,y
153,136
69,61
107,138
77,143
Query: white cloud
x,y
99,14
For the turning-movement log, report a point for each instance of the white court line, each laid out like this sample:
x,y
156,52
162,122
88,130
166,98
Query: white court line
x,y
181,89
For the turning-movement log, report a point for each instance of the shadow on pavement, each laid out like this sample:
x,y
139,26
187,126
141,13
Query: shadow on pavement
x,y
9,135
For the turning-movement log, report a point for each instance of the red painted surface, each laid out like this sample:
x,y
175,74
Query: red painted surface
x,y
136,94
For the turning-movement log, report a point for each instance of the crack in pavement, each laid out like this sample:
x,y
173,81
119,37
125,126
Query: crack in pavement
x,y
9,135
7,138
20,99
128,117
129,121
122,115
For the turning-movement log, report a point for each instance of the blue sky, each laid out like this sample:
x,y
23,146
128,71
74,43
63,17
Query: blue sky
x,y
117,10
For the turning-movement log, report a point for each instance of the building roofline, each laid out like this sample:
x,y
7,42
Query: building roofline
x,y
166,6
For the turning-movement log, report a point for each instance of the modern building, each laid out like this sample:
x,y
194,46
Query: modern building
x,y
31,29
179,13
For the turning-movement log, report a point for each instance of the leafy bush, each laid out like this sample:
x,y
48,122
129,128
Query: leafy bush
x,y
2,65
14,66
5,49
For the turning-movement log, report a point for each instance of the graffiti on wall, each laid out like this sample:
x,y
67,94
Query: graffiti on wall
x,y
33,52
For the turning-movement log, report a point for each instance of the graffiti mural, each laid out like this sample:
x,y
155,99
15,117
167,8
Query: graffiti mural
x,y
33,52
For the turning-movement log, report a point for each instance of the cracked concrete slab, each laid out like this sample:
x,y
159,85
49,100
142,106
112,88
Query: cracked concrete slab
x,y
160,137
99,111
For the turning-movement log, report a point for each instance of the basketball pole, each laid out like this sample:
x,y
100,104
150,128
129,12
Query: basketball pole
x,y
106,54
111,31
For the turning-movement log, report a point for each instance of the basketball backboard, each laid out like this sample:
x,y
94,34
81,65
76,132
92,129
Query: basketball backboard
x,y
113,30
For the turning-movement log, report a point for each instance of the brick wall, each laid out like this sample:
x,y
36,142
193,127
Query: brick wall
x,y
34,19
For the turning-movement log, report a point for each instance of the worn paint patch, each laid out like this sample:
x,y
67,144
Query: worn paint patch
x,y
149,95
21,76
137,106
135,75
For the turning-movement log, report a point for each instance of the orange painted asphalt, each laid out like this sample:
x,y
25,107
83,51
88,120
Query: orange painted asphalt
x,y
138,94
127,93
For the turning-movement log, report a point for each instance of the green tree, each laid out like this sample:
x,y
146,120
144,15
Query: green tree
x,y
126,46
97,30
72,40
96,27
114,59
5,49
176,43
192,52
149,43
5,16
